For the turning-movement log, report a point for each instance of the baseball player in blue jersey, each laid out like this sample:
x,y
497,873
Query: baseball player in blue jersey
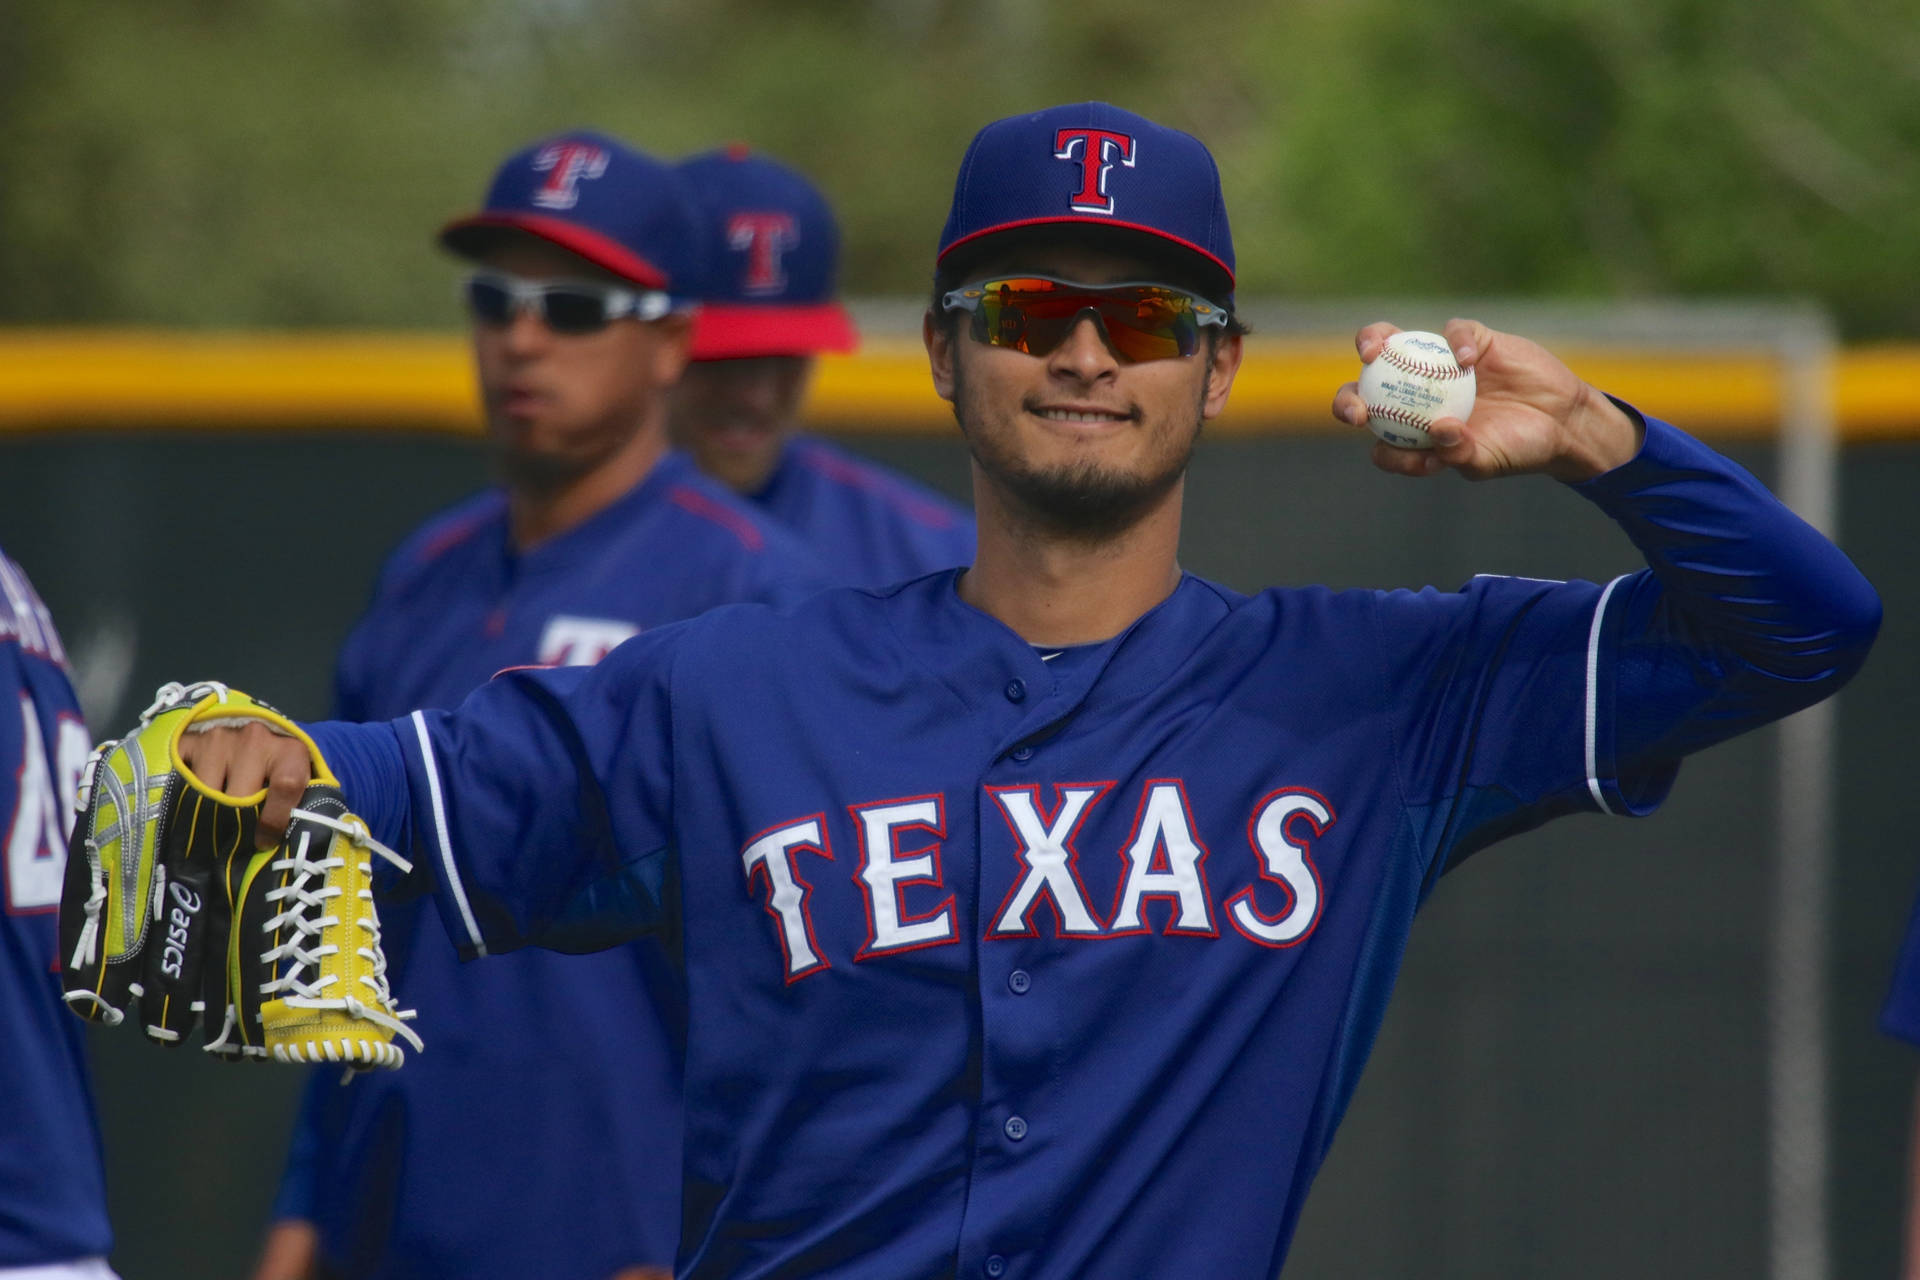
x,y
598,533
1037,918
53,1194
769,308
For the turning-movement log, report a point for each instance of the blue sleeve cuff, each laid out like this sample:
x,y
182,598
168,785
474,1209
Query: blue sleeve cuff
x,y
1626,786
373,777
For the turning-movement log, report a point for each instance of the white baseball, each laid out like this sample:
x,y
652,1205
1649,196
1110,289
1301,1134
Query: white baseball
x,y
1413,381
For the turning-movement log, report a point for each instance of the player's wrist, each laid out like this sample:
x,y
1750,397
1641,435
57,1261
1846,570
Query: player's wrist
x,y
1597,436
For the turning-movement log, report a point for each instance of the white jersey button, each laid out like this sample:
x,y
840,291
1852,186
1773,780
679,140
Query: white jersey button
x,y
1016,1128
996,1265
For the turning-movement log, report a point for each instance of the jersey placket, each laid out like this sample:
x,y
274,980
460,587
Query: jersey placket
x,y
1007,1207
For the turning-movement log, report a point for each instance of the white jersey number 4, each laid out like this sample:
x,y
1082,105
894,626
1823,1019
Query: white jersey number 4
x,y
42,815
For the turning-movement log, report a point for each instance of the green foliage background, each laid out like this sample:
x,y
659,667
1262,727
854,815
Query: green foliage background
x,y
284,162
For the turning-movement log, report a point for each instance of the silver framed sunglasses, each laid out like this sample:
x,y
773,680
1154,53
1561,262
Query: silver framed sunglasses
x,y
565,306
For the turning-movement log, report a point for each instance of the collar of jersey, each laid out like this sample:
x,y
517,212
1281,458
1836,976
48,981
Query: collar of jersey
x,y
588,537
976,655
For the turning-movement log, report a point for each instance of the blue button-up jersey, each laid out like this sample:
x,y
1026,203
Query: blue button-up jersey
x,y
997,967
53,1197
870,526
539,1132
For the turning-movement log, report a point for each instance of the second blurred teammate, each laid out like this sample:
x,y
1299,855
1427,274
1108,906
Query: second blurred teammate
x,y
539,1133
769,307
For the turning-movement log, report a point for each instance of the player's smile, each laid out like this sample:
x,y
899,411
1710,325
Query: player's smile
x,y
734,415
1082,415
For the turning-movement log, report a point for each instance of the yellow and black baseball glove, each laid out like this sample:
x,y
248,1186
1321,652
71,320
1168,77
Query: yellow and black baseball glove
x,y
169,913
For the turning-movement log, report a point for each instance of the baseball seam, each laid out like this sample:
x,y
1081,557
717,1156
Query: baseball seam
x,y
1407,364
1404,417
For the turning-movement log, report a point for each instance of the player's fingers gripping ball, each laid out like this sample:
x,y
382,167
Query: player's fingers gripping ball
x,y
169,913
1410,384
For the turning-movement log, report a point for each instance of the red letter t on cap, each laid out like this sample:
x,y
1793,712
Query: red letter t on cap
x,y
1096,150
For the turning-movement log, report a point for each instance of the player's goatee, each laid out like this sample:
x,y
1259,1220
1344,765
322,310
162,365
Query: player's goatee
x,y
537,471
1082,500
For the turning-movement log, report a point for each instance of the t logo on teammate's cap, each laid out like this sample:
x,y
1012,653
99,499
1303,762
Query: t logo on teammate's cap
x,y
597,197
1091,163
567,164
764,235
773,252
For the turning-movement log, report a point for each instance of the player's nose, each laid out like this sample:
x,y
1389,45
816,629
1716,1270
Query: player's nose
x,y
525,331
1084,354
758,392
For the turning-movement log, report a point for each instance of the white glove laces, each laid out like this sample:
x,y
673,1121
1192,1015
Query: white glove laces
x,y
307,898
174,694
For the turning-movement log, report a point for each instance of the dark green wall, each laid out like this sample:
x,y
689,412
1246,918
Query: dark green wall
x,y
1571,1081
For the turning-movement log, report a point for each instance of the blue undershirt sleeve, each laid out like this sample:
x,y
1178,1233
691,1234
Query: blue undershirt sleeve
x,y
1516,700
1745,613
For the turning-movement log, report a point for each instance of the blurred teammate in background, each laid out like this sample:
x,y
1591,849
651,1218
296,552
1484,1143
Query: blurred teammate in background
x,y
536,1136
769,308
53,1194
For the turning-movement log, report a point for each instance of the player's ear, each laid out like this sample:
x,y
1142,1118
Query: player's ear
x,y
938,337
1223,360
673,337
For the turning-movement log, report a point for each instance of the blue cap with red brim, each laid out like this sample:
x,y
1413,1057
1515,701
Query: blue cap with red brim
x,y
1091,164
772,256
594,196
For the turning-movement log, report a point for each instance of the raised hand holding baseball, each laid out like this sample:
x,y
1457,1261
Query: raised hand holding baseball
x,y
1529,413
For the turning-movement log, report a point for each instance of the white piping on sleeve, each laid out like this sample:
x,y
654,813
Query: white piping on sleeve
x,y
1593,696
447,867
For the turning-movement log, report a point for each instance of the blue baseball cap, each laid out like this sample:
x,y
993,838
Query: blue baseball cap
x,y
1091,164
772,255
597,197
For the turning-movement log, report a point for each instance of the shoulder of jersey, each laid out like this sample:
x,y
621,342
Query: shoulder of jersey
x,y
441,534
905,497
24,618
709,509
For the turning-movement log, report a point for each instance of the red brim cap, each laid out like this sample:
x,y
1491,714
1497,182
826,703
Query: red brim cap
x,y
742,331
469,237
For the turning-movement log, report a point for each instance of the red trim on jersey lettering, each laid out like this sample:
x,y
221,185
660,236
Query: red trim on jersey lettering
x,y
699,504
868,950
1157,860
825,850
1260,864
1046,895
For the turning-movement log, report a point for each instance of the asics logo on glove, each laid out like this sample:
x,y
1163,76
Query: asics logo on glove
x,y
186,906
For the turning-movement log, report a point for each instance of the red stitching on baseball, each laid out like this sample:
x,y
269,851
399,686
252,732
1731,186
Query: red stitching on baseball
x,y
1406,364
1401,416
